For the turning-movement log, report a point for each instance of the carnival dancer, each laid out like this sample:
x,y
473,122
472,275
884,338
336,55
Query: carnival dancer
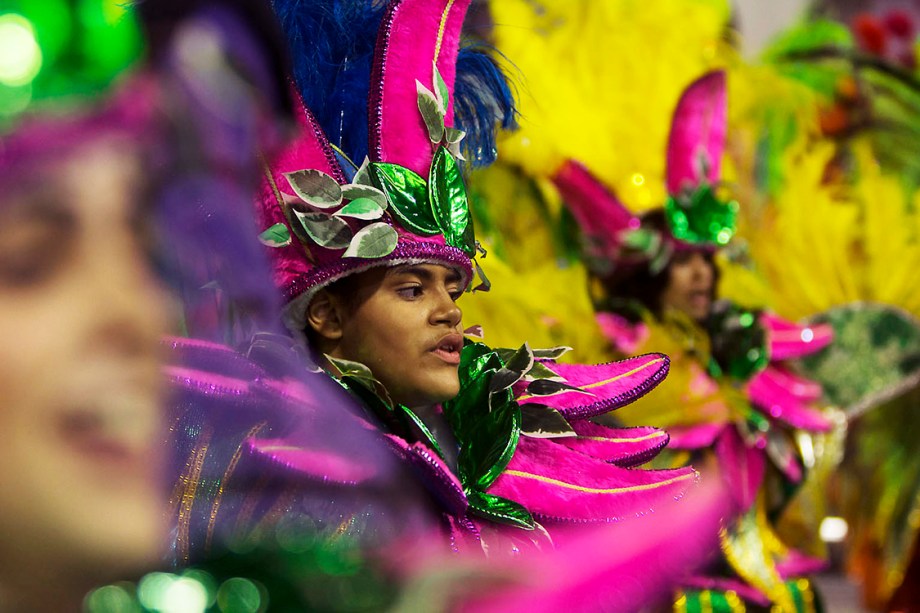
x,y
732,405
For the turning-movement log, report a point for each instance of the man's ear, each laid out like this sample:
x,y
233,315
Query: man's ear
x,y
323,316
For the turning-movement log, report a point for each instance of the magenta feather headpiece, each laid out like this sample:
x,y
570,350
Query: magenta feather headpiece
x,y
694,214
407,202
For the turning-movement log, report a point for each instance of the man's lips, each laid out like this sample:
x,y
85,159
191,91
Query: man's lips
x,y
448,348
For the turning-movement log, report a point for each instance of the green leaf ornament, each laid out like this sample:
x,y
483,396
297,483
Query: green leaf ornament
x,y
432,114
276,236
407,194
373,241
354,191
449,202
440,89
325,230
361,208
500,510
315,188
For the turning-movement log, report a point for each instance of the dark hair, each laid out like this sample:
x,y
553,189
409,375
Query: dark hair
x,y
632,287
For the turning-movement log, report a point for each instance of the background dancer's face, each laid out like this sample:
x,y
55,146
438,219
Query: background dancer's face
x,y
80,322
402,322
690,283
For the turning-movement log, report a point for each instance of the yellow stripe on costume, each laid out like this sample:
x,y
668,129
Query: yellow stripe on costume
x,y
597,490
608,381
441,26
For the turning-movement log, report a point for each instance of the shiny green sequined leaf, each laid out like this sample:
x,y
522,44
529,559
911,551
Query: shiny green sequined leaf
x,y
700,217
487,425
501,510
738,341
449,203
325,230
374,241
315,188
407,194
276,236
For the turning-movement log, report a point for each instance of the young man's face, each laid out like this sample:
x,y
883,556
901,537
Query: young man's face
x,y
690,284
404,325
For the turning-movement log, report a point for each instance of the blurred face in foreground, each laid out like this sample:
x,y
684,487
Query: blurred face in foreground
x,y
80,321
690,283
403,323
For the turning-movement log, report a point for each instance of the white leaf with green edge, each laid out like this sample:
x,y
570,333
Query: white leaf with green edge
x,y
363,176
374,241
430,109
644,240
552,353
454,149
540,371
453,135
540,421
276,236
316,188
440,89
325,230
361,208
354,192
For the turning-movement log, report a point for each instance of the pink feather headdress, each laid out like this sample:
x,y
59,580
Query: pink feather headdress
x,y
407,203
695,215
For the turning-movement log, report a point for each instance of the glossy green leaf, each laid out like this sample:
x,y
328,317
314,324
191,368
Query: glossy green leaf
x,y
315,188
407,194
440,89
374,241
449,204
359,378
325,230
276,236
432,114
361,208
501,510
541,421
353,192
521,360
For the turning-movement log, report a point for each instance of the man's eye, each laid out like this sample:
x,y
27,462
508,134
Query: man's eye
x,y
410,292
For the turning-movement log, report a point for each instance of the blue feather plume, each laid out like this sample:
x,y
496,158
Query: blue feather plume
x,y
483,101
332,49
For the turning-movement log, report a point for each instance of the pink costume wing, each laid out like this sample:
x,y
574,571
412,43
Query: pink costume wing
x,y
787,340
603,387
556,483
698,134
413,34
624,447
599,213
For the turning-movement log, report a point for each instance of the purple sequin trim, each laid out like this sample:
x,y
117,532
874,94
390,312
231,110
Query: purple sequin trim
x,y
378,74
301,290
610,404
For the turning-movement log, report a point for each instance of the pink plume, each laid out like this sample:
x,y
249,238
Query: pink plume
x,y
411,34
698,129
